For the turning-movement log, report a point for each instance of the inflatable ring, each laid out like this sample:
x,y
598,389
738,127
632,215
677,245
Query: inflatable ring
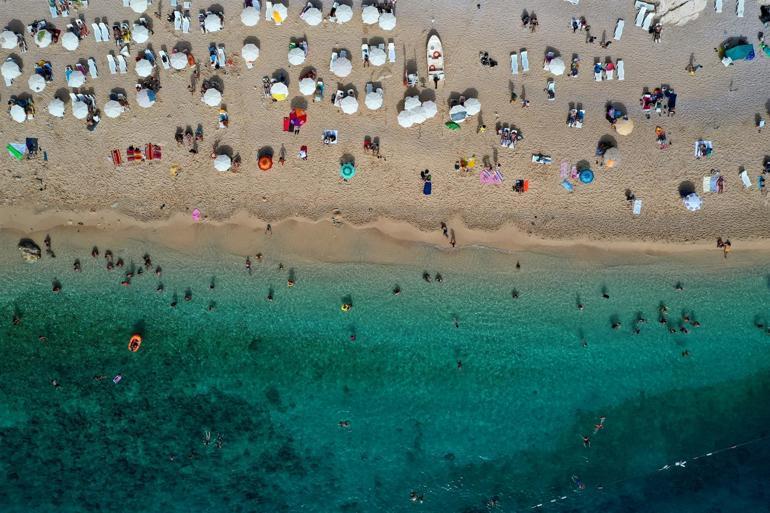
x,y
135,343
345,307
265,162
436,54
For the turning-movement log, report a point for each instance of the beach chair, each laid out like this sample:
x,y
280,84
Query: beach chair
x,y
619,29
609,72
122,67
598,75
92,68
524,61
332,61
640,16
637,208
745,179
514,63
621,70
105,31
718,6
268,11
648,22
740,6
338,96
164,61
186,25
177,20
97,32
391,53
111,63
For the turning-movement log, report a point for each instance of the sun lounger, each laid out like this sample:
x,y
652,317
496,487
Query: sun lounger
x,y
745,179
97,32
391,53
619,29
647,5
177,20
332,61
707,184
92,68
268,11
338,96
524,61
640,16
608,73
620,69
221,59
364,52
598,75
186,24
105,31
740,6
514,63
637,207
319,91
111,63
122,64
164,61
648,21
718,6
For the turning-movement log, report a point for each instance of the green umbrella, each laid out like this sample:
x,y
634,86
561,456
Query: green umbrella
x,y
347,170
452,125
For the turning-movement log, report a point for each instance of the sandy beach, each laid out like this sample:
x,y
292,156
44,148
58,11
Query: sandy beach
x,y
718,103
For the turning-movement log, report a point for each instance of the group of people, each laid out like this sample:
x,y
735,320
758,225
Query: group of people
x,y
662,99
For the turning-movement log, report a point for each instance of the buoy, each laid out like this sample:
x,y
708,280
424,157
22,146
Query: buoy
x,y
135,343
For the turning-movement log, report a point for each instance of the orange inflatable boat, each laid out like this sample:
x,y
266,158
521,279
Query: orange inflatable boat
x,y
135,343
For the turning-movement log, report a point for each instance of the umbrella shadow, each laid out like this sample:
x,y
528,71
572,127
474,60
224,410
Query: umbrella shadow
x,y
224,149
608,141
281,75
556,52
427,95
582,164
17,26
251,40
299,102
216,8
265,151
347,158
296,40
686,188
217,83
62,94
308,71
183,46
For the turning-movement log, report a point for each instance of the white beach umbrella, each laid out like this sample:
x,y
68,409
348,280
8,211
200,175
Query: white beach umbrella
x,y
79,110
373,100
279,91
430,109
387,21
405,118
18,114
692,202
472,106
344,13
212,23
77,79
56,108
307,86
179,60
296,56
8,40
10,70
279,13
377,57
370,15
411,102
145,98
36,83
349,105
113,109
250,16
42,38
212,97
556,66
418,115
222,163
313,17
250,52
143,68
70,41
139,33
458,113
342,67
138,6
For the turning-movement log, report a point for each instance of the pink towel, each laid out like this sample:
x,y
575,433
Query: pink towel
x,y
487,177
564,169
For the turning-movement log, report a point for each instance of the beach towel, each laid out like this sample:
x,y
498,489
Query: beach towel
x,y
16,150
621,69
707,184
637,207
514,63
619,29
330,136
709,149
745,179
564,169
117,158
489,177
427,188
524,61
567,185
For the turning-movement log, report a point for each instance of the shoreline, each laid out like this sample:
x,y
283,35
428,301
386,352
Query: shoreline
x,y
334,239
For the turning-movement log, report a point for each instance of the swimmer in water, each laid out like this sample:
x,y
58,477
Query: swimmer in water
x,y
396,290
684,330
159,288
56,288
662,320
173,303
126,282
212,306
110,265
456,322
211,284
685,353
289,282
344,424
459,365
55,383
188,295
95,252
605,295
672,330
695,324
258,256
158,271
248,264
16,319
352,337
119,263
108,255
518,265
76,266
663,308
426,277
580,306
270,295
280,266
515,294
584,342
678,286
586,442
616,325
147,262
439,278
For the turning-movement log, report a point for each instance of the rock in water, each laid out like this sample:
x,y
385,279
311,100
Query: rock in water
x,y
29,250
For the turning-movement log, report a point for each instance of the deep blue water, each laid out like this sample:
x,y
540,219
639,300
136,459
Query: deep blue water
x,y
273,380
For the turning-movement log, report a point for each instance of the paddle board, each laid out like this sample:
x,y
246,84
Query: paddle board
x,y
435,60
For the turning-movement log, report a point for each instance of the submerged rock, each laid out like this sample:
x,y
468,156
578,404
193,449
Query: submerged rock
x,y
30,251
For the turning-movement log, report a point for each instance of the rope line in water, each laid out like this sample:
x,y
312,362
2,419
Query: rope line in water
x,y
682,464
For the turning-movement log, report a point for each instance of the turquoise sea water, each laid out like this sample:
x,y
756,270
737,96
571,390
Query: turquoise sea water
x,y
272,381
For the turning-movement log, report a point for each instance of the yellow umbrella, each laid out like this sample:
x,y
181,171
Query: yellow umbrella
x,y
279,91
624,126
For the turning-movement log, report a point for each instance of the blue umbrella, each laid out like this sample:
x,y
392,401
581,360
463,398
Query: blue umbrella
x,y
586,176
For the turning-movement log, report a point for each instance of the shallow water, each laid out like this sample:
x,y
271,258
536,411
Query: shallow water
x,y
274,379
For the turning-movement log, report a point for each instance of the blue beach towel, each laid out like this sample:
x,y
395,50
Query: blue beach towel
x,y
427,188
